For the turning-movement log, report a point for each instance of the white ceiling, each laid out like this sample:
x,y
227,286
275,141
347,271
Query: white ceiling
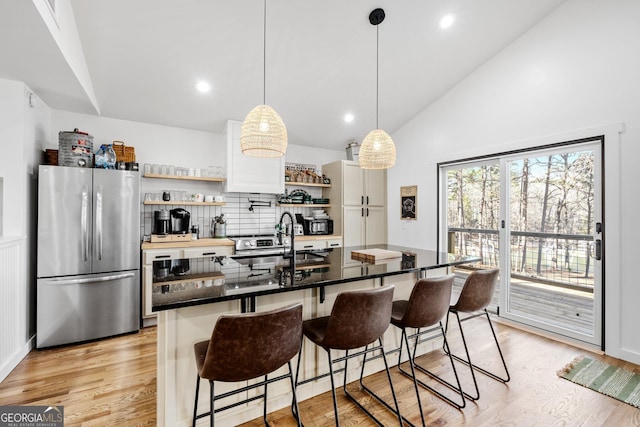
x,y
144,57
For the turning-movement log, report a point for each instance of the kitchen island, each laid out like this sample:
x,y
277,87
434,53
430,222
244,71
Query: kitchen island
x,y
187,312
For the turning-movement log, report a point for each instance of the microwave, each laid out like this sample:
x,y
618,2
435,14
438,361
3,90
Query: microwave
x,y
318,226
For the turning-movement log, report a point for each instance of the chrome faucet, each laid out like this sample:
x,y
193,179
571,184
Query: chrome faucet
x,y
292,252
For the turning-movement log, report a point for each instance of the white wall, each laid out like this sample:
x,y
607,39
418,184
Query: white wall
x,y
188,148
11,166
23,127
169,145
576,69
153,143
63,29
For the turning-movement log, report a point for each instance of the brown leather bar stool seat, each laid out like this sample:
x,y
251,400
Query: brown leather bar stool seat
x,y
247,346
476,295
424,311
358,319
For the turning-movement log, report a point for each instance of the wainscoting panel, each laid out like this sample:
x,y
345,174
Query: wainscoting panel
x,y
13,304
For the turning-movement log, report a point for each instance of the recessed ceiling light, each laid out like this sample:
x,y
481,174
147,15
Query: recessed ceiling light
x,y
348,118
203,87
447,20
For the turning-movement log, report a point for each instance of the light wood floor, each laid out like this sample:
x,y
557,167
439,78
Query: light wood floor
x,y
112,382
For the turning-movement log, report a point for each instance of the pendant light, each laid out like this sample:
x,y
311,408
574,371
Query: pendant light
x,y
377,150
263,133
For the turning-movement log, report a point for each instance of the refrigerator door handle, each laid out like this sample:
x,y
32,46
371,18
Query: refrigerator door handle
x,y
88,279
99,221
84,223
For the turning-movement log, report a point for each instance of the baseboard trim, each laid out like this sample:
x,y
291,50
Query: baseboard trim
x,y
17,357
565,340
150,321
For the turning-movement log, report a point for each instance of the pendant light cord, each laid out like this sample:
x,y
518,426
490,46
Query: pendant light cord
x,y
264,55
377,72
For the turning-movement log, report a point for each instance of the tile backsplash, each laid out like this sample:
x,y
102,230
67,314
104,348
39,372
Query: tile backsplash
x,y
261,219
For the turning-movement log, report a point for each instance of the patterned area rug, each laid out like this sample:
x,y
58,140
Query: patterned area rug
x,y
609,380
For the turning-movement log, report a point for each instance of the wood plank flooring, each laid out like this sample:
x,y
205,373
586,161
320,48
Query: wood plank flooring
x,y
104,383
113,382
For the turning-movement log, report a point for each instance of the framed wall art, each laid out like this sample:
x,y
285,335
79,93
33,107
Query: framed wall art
x,y
409,202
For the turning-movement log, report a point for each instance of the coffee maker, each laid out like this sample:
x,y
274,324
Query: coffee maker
x,y
161,222
180,221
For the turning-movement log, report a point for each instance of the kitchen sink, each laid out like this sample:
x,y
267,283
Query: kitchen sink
x,y
302,259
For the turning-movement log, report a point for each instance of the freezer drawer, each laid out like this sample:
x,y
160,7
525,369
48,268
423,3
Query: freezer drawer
x,y
80,308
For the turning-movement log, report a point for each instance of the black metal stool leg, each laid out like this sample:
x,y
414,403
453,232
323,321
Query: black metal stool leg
x,y
374,395
457,389
405,339
195,403
333,389
294,404
416,365
466,362
264,411
393,392
212,417
495,338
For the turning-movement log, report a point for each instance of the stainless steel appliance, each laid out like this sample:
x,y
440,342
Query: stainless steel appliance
x,y
318,226
257,245
298,229
180,267
161,222
161,269
180,221
88,262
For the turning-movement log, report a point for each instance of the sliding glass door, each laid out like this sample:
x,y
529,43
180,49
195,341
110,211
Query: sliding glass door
x,y
536,214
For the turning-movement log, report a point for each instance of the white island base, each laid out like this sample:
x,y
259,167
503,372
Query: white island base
x,y
179,329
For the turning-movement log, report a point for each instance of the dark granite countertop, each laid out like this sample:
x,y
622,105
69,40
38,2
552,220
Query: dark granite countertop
x,y
214,280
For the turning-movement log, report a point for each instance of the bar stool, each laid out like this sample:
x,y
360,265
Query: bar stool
x,y
426,307
358,319
474,299
248,346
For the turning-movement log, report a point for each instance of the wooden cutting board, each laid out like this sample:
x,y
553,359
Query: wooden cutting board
x,y
374,255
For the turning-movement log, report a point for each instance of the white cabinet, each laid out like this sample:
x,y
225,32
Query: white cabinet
x,y
207,251
311,243
247,174
358,198
365,187
333,243
160,255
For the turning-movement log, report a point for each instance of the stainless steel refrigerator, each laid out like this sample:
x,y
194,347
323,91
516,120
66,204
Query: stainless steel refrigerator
x,y
88,283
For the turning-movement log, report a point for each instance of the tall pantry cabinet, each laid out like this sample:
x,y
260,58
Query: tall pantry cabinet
x,y
358,198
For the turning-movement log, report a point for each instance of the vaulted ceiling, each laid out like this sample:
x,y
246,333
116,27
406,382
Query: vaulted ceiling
x,y
145,56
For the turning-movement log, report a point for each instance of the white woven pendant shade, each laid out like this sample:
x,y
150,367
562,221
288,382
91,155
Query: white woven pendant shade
x,y
377,151
263,133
